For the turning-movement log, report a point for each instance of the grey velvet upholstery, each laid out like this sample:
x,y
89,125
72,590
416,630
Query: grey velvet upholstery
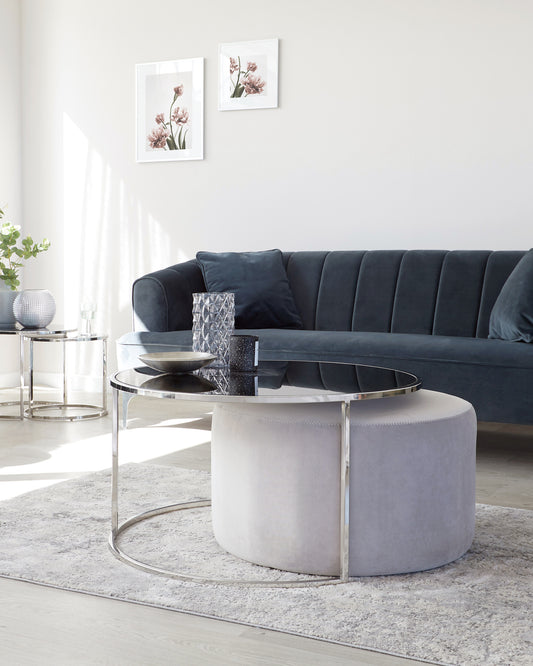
x,y
276,486
263,297
424,311
162,301
512,315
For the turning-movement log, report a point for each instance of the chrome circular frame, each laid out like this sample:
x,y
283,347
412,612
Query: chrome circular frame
x,y
38,405
97,412
9,417
176,575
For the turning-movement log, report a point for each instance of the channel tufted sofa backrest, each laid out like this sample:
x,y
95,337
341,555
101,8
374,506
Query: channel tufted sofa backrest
x,y
435,292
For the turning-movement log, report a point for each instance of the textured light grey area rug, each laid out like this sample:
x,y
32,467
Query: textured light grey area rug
x,y
477,610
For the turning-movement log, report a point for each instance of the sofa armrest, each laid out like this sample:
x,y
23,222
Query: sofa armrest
x,y
162,300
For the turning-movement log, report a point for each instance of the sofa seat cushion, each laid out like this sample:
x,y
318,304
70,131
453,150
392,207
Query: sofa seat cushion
x,y
354,346
361,346
494,375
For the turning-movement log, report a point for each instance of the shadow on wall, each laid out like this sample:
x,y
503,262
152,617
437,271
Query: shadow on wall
x,y
109,240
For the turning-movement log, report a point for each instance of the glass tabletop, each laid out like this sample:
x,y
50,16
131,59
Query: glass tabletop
x,y
66,335
16,329
274,381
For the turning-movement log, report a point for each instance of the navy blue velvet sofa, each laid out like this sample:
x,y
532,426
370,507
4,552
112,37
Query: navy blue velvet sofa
x,y
422,311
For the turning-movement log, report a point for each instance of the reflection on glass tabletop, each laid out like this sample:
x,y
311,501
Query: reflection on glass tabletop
x,y
274,381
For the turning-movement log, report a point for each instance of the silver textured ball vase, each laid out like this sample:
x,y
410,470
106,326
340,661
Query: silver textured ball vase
x,y
34,308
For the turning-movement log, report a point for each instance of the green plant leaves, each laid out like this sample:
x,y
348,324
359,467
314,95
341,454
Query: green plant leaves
x,y
9,267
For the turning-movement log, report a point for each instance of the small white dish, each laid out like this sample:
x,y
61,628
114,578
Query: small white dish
x,y
177,362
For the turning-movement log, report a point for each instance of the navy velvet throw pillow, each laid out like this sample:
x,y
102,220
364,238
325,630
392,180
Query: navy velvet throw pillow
x,y
512,315
263,297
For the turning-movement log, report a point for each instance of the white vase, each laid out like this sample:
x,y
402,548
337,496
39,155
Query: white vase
x,y
7,298
34,308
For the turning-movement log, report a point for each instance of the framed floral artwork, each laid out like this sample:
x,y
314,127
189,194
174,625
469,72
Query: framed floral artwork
x,y
170,110
248,75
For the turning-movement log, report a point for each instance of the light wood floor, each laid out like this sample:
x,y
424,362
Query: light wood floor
x,y
44,626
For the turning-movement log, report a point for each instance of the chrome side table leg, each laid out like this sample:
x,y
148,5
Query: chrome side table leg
x,y
114,466
30,385
104,375
345,493
21,370
64,363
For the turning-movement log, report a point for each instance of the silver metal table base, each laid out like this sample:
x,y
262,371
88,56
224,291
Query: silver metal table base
x,y
12,403
118,529
36,409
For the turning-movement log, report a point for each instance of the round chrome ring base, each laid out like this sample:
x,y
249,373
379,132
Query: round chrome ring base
x,y
181,506
35,412
11,403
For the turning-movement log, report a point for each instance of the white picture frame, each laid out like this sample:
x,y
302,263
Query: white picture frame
x,y
248,75
170,110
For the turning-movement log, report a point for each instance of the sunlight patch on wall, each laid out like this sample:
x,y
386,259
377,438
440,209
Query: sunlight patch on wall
x,y
110,238
75,156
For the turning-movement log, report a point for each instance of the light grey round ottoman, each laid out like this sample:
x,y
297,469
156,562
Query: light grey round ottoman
x,y
276,483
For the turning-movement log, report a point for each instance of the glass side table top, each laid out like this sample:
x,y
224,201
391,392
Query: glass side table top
x,y
65,335
275,381
55,329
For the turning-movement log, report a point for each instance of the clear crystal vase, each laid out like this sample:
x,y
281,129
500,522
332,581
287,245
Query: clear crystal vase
x,y
213,320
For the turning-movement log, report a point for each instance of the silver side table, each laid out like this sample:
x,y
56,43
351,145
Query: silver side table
x,y
37,409
18,330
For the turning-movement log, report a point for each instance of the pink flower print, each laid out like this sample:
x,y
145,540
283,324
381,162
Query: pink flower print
x,y
158,136
178,90
253,85
160,118
233,65
251,66
180,116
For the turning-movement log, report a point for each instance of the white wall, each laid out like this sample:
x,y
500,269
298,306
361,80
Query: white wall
x,y
10,200
10,142
401,124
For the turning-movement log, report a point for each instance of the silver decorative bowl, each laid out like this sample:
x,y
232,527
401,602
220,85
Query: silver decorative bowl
x,y
177,362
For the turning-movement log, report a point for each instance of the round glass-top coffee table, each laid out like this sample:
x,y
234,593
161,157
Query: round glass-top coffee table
x,y
276,382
